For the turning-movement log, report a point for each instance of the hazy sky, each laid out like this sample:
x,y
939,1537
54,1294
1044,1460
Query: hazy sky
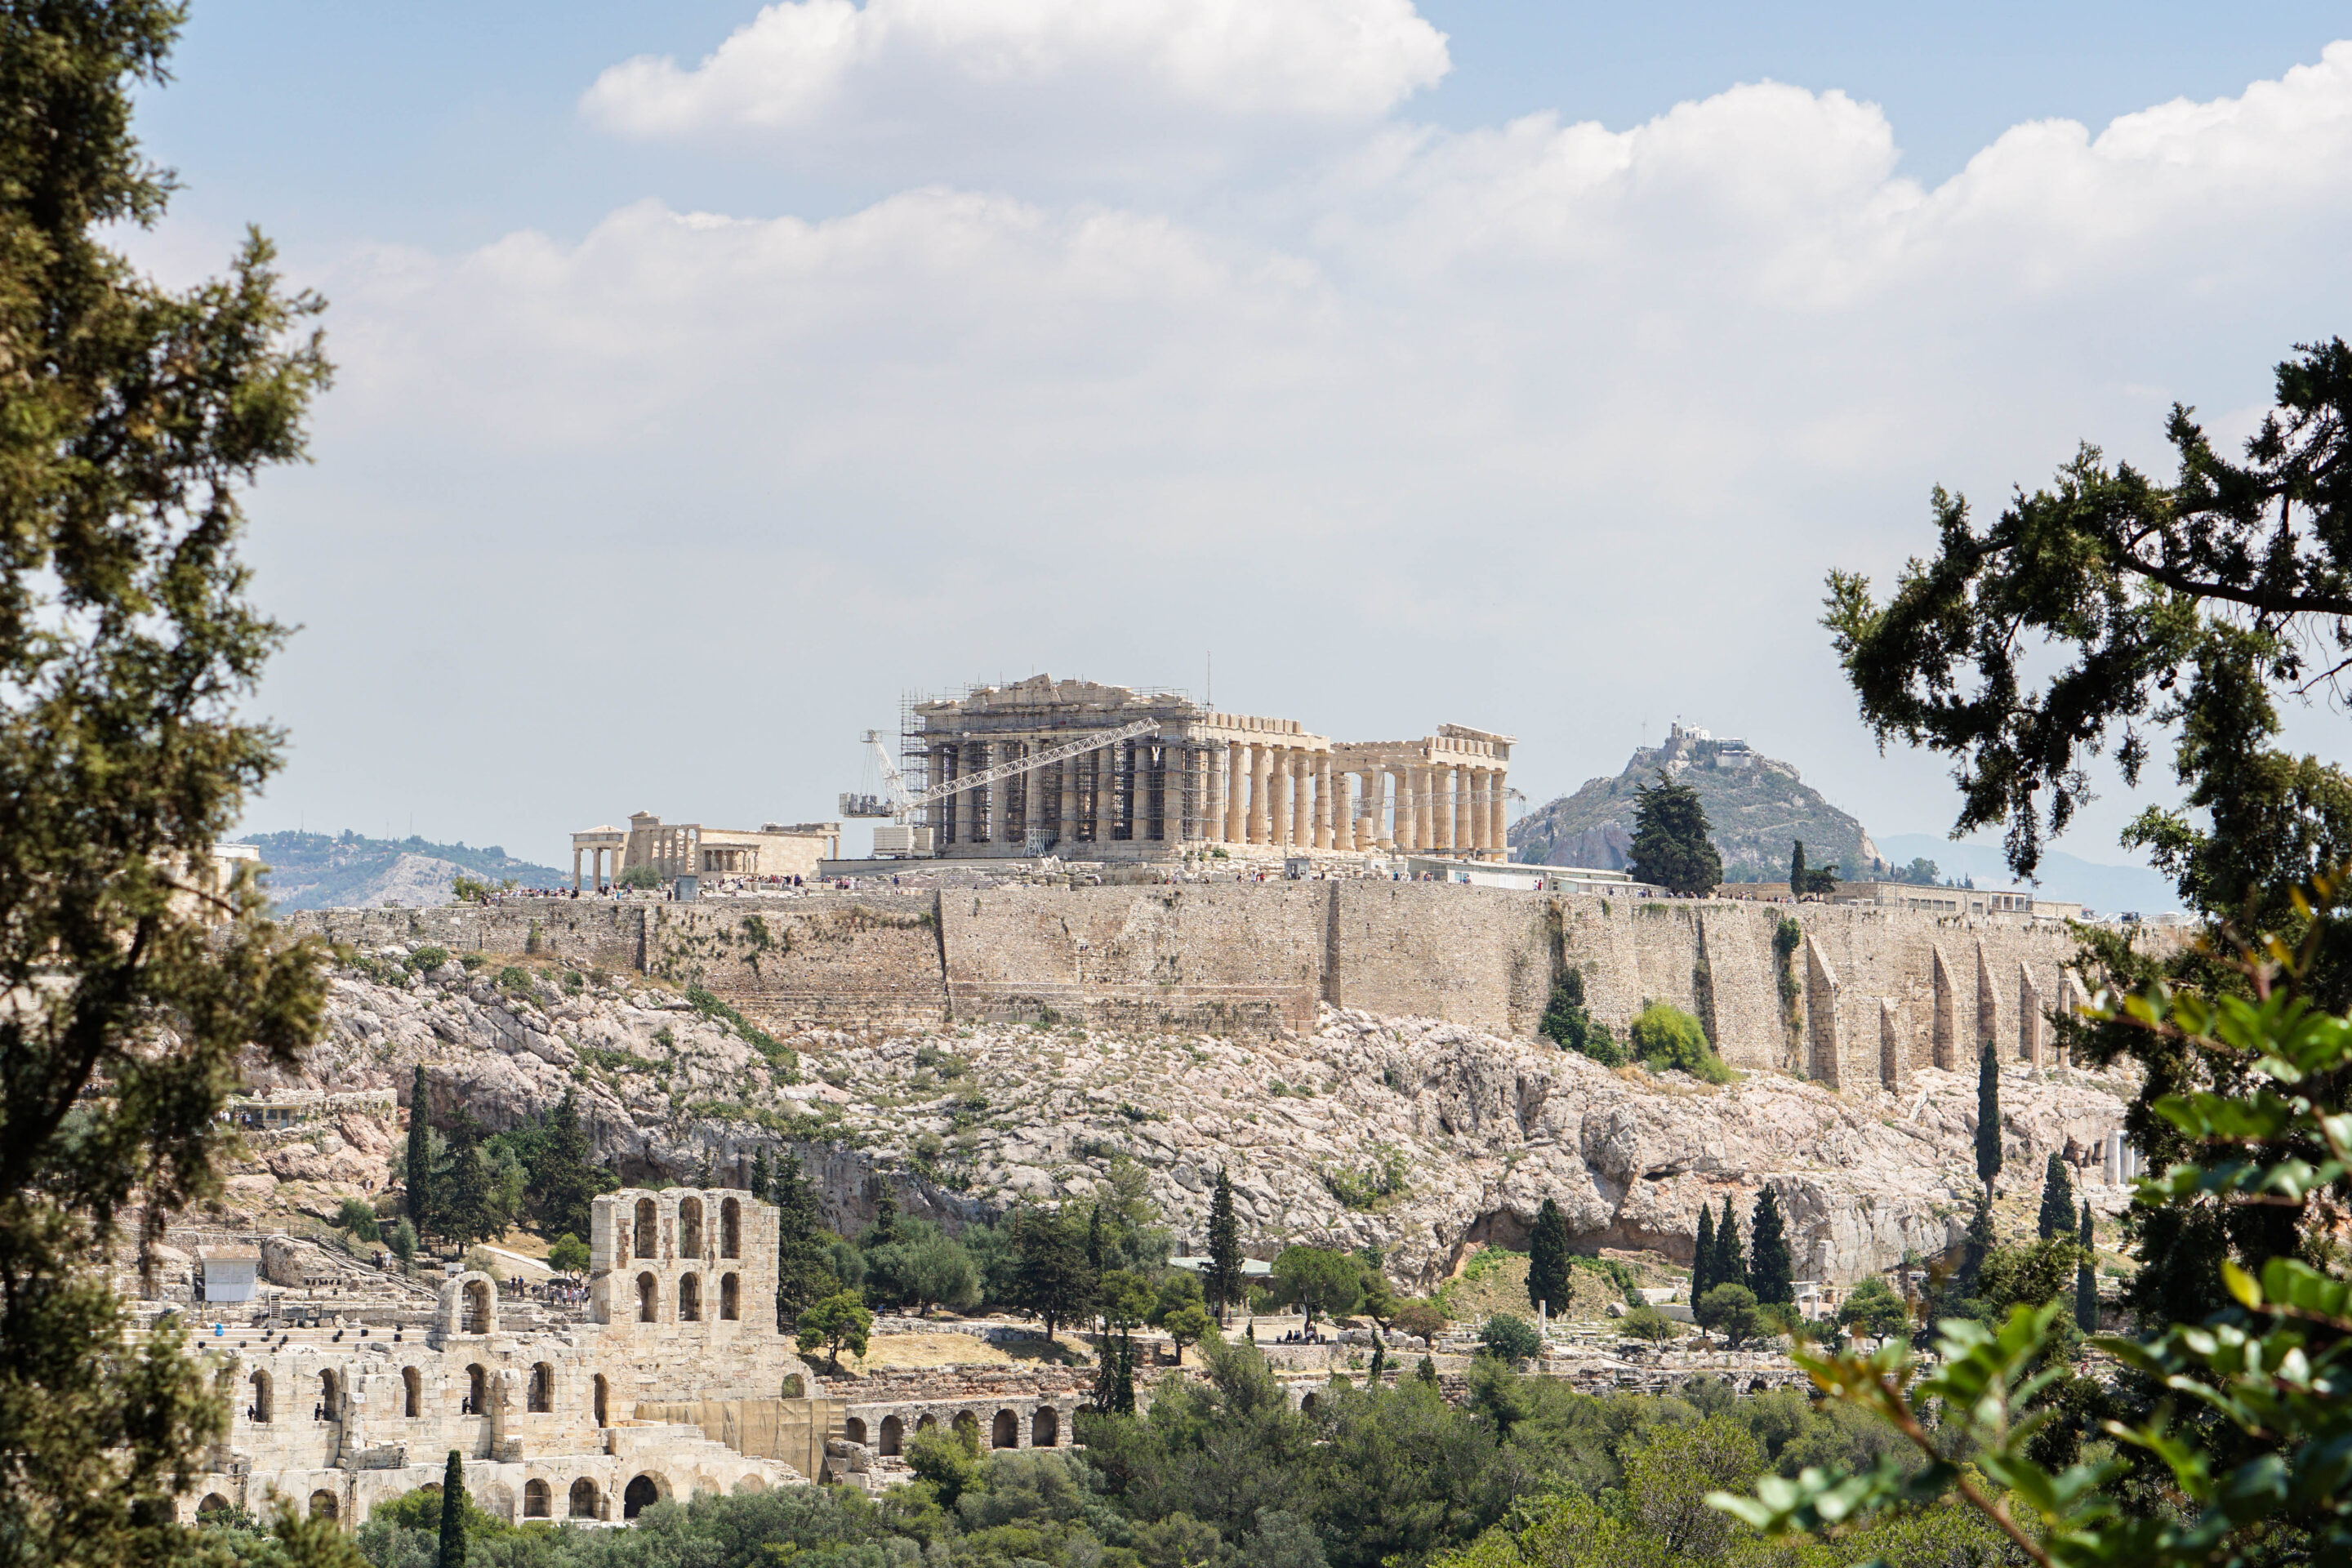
x,y
710,375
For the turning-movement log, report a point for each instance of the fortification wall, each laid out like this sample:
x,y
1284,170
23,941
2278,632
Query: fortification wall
x,y
1875,994
1198,955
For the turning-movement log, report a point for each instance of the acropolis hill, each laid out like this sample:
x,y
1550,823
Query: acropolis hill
x,y
1155,1020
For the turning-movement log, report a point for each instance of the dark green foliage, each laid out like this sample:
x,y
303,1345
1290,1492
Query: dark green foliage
x,y
2057,1217
1769,1271
417,1179
2086,1279
561,1177
1566,1022
1548,1254
470,1203
1987,1117
1671,848
1975,1248
1509,1339
358,1219
132,418
452,1552
1055,1283
1667,1040
1224,1276
802,1243
1703,1255
1321,1282
1730,1257
1873,1309
1809,881
1733,1312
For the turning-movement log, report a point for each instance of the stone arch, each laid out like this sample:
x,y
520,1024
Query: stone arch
x,y
731,1228
641,1493
478,1389
261,1400
854,1429
412,1392
1306,1405
689,1227
690,1299
750,1486
213,1503
1004,1432
967,1427
330,1393
648,1299
927,1421
646,1243
322,1504
1045,1427
582,1502
795,1386
481,1311
540,1400
730,1298
536,1500
893,1434
603,1391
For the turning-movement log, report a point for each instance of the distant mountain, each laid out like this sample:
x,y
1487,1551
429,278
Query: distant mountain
x,y
1756,808
2093,884
313,871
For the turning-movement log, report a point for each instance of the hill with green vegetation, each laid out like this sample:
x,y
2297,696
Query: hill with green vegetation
x,y
1755,807
315,871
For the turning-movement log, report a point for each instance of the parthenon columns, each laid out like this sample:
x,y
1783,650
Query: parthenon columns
x,y
1465,822
1328,787
1261,823
1236,791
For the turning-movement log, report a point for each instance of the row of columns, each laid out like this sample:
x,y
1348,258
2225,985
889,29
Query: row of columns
x,y
604,860
1238,792
1294,797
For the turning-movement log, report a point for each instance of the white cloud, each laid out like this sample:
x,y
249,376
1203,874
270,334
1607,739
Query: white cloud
x,y
1547,426
927,80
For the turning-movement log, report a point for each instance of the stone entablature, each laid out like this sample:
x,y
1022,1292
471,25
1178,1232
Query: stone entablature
x,y
1204,778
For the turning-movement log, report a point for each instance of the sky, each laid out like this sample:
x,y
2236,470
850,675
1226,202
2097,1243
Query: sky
x,y
709,376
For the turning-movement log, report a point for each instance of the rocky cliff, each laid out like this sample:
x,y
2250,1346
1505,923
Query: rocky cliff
x,y
1423,1138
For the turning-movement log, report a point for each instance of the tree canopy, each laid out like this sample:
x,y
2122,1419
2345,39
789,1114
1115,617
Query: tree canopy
x,y
1671,848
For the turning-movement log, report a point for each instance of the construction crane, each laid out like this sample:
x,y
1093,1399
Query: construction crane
x,y
900,806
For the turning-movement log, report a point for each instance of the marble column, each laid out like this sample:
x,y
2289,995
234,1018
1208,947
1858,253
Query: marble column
x,y
1106,795
1441,809
1065,803
1278,798
1326,800
1466,835
1191,809
1012,796
1235,795
1498,810
1261,819
1212,826
1302,805
977,800
1407,809
1383,787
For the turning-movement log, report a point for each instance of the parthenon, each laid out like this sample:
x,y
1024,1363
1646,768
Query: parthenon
x,y
1195,778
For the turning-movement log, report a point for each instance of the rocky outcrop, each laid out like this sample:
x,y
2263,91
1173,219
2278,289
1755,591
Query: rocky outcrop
x,y
1421,1138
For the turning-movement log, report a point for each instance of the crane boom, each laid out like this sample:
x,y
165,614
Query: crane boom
x,y
902,805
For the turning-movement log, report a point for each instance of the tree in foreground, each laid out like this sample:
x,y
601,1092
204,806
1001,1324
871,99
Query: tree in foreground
x,y
416,1171
1671,848
1509,1340
1319,1282
1771,1273
452,1513
2057,1215
1988,1117
1703,1255
131,418
802,1274
1054,1281
1548,1252
2258,1475
567,1254
1873,1307
1732,1311
1224,1276
1730,1257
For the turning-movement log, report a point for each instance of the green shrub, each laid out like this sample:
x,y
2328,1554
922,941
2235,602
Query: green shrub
x,y
1567,1023
639,877
514,977
358,1219
1668,1039
472,961
428,958
1648,1323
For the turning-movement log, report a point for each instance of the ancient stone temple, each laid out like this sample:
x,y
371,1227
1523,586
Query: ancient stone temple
x,y
1171,775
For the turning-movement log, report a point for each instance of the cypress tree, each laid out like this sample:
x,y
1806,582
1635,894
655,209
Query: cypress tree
x,y
760,1178
2057,1200
1671,847
1380,1361
1731,1258
1988,1118
885,1228
2086,1281
1703,1256
452,1513
565,1178
419,1183
1547,1257
1974,1247
803,1279
1797,869
1769,1275
1224,1280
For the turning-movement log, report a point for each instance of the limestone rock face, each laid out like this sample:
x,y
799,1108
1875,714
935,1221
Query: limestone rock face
x,y
1423,1138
